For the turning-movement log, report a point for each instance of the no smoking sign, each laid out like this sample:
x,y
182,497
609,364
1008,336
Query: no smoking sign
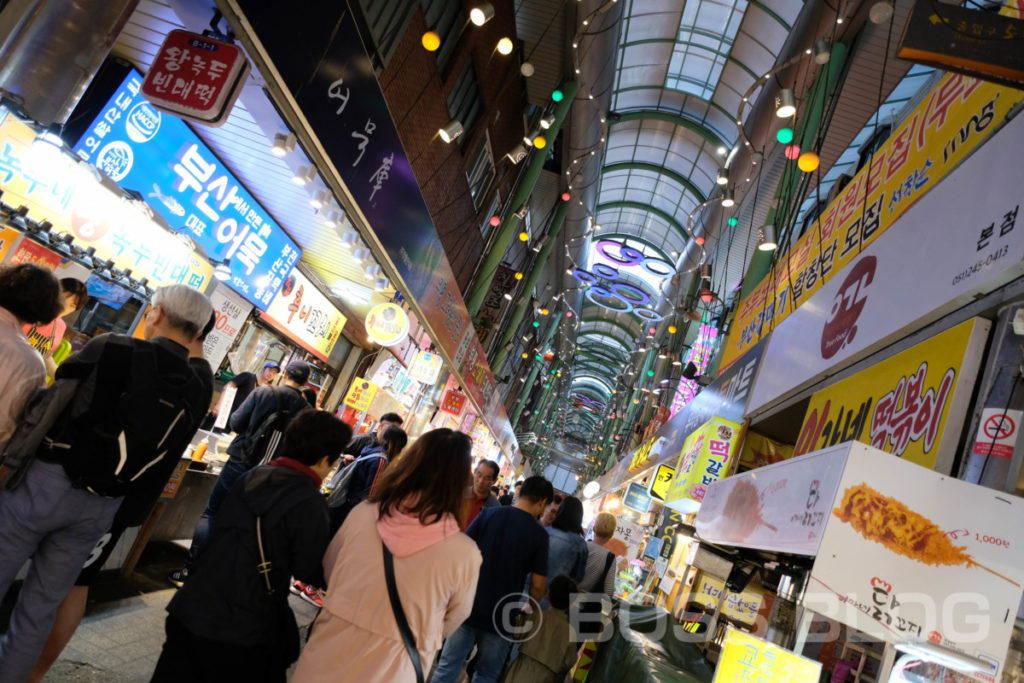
x,y
998,432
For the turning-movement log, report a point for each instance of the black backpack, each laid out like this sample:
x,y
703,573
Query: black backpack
x,y
259,445
132,410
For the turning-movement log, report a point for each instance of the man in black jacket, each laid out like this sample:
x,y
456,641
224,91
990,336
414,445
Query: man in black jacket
x,y
245,422
71,492
231,620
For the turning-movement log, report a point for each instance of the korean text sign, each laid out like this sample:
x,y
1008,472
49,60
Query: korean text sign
x,y
705,458
306,316
160,157
903,404
196,76
942,254
745,657
901,563
360,394
56,190
953,119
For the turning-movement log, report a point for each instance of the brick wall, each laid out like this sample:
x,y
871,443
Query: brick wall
x,y
416,93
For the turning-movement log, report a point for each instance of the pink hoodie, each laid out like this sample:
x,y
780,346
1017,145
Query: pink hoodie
x,y
405,535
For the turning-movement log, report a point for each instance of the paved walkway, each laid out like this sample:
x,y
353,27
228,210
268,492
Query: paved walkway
x,y
120,641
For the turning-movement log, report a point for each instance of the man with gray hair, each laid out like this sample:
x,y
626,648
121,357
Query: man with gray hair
x,y
133,407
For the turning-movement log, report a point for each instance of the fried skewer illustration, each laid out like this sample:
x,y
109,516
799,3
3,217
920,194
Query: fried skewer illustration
x,y
886,520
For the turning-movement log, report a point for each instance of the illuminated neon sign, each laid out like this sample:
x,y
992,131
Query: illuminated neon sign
x,y
699,354
603,287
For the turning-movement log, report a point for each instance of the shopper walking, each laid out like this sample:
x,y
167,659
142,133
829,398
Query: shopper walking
x,y
548,516
515,549
133,512
599,577
549,649
362,476
372,440
479,495
231,620
46,338
412,518
29,295
136,406
567,551
266,412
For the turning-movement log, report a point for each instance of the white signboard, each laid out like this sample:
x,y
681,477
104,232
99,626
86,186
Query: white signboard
x,y
632,535
963,238
911,555
997,432
231,310
781,507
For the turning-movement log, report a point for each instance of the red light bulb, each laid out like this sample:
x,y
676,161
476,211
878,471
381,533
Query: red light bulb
x,y
706,296
699,239
792,152
566,196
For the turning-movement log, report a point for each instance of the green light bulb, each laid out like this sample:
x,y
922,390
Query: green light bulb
x,y
536,324
733,221
557,95
785,135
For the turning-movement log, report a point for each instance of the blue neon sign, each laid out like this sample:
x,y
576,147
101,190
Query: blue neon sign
x,y
160,157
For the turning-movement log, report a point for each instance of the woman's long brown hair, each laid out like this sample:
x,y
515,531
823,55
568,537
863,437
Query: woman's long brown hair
x,y
437,467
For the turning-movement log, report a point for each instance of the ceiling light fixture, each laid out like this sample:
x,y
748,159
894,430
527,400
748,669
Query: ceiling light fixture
x,y
728,197
785,104
527,69
305,174
320,199
481,14
766,238
723,177
283,144
505,46
880,12
450,131
822,52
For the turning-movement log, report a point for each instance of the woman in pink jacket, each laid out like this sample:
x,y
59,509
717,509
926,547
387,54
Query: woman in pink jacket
x,y
413,513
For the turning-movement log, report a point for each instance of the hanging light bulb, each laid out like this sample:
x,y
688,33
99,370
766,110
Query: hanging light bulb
x,y
699,239
557,95
733,221
495,221
785,105
793,152
519,276
540,142
881,12
723,177
766,238
450,131
808,162
481,14
728,198
527,69
430,41
784,135
505,46
524,236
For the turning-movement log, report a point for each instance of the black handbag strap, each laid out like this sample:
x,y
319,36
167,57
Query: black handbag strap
x,y
396,606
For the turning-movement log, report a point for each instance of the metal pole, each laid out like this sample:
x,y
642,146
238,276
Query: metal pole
x,y
522,194
512,325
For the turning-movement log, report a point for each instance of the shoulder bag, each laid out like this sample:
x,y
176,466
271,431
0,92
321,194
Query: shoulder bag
x,y
396,606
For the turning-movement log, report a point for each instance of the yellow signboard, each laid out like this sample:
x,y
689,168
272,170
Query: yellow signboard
x,y
662,481
7,239
306,316
954,119
748,658
759,450
705,458
708,591
55,188
360,394
903,404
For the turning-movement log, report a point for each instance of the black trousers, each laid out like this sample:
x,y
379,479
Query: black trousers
x,y
187,657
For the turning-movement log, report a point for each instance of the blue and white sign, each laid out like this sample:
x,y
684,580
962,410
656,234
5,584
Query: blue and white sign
x,y
160,157
637,498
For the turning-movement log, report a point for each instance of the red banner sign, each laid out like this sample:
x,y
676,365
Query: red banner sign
x,y
196,77
453,402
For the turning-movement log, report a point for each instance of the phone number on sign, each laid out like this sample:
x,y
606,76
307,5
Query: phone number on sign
x,y
989,260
